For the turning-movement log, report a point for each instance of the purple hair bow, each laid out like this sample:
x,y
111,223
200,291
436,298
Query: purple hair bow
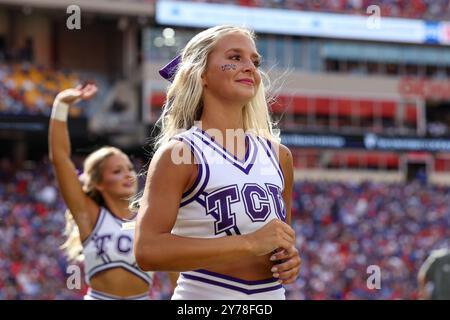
x,y
169,70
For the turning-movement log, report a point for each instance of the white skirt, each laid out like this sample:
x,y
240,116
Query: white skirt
x,y
207,285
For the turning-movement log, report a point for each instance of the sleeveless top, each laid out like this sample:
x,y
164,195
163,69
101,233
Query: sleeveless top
x,y
110,245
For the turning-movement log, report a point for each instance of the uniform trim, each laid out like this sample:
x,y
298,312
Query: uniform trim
x,y
240,285
244,166
195,190
98,295
199,167
204,134
273,158
119,219
104,262
236,229
120,264
196,182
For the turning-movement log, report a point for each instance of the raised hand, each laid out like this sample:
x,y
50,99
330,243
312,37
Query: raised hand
x,y
73,95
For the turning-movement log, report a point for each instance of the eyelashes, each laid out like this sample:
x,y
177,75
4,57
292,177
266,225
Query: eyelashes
x,y
256,63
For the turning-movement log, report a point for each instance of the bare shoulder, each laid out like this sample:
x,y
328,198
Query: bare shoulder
x,y
286,162
174,153
284,154
174,160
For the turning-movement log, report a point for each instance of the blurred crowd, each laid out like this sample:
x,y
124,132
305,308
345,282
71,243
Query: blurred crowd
x,y
416,9
32,265
342,228
31,222
27,89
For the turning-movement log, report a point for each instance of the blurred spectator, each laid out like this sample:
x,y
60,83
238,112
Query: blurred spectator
x,y
434,276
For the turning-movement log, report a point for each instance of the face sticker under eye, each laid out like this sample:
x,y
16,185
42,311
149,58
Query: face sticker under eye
x,y
227,67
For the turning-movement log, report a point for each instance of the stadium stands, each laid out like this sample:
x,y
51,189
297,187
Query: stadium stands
x,y
415,9
27,89
341,229
32,265
31,219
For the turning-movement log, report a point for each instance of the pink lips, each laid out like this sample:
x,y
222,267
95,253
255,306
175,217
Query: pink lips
x,y
248,82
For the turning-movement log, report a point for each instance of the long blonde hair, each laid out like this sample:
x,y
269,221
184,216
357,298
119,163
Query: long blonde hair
x,y
92,175
184,96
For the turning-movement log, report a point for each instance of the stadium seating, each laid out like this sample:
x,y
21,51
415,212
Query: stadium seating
x,y
27,89
415,9
341,229
32,265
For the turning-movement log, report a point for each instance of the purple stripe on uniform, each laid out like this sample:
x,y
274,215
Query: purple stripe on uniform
x,y
104,259
247,152
207,136
201,201
196,182
117,264
119,220
276,158
102,295
237,164
273,159
246,282
231,287
199,156
255,152
220,149
199,175
115,216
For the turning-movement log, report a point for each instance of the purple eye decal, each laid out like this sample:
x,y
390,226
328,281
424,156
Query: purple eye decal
x,y
227,67
169,70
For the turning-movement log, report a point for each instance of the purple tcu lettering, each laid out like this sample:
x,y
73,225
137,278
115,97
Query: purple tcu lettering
x,y
256,201
218,204
100,243
277,197
124,244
